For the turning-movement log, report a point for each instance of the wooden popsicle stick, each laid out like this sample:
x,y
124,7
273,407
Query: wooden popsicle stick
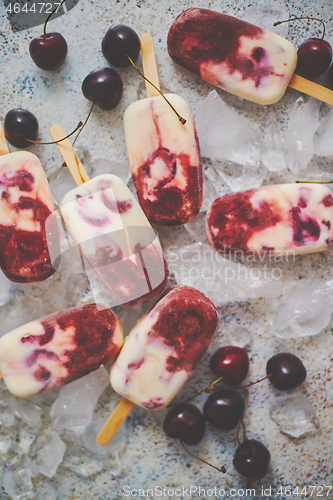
x,y
312,89
149,64
3,143
114,421
67,152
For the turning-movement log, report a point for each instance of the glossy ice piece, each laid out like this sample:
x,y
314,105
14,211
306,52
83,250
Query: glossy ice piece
x,y
163,349
116,239
164,158
58,348
233,55
25,206
287,218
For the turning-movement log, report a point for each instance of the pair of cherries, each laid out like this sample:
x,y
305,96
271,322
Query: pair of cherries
x,y
103,86
224,408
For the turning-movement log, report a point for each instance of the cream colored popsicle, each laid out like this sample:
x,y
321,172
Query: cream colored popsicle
x,y
59,348
163,154
238,57
161,352
115,237
27,222
282,219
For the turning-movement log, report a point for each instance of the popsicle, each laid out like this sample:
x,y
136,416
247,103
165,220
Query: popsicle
x,y
163,154
161,352
281,219
116,240
59,348
27,222
238,57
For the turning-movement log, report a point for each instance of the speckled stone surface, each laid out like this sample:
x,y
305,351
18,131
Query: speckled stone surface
x,y
149,458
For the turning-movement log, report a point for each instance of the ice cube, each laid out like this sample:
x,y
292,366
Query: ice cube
x,y
266,15
272,154
323,144
197,228
238,177
299,136
222,280
117,443
17,480
26,410
50,450
61,181
210,191
76,401
224,134
100,166
306,310
294,415
129,315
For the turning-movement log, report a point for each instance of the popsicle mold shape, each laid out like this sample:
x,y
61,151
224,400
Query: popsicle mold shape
x,y
233,55
59,348
116,239
163,349
164,158
25,206
281,219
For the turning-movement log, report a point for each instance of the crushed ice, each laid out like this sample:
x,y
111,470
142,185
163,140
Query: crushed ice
x,y
50,450
294,415
266,15
224,134
76,401
299,136
221,279
306,309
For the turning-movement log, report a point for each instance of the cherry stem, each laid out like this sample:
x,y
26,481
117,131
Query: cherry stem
x,y
240,386
180,118
222,469
80,124
297,18
205,389
48,18
85,122
314,182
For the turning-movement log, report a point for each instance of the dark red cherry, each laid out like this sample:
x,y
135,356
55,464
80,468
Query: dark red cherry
x,y
288,371
224,409
185,422
314,57
104,87
231,363
252,459
19,125
48,53
117,42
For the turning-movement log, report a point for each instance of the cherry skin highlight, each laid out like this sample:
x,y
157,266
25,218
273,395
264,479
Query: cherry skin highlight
x,y
224,409
287,371
231,363
20,125
185,422
314,57
252,459
104,87
48,53
119,42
